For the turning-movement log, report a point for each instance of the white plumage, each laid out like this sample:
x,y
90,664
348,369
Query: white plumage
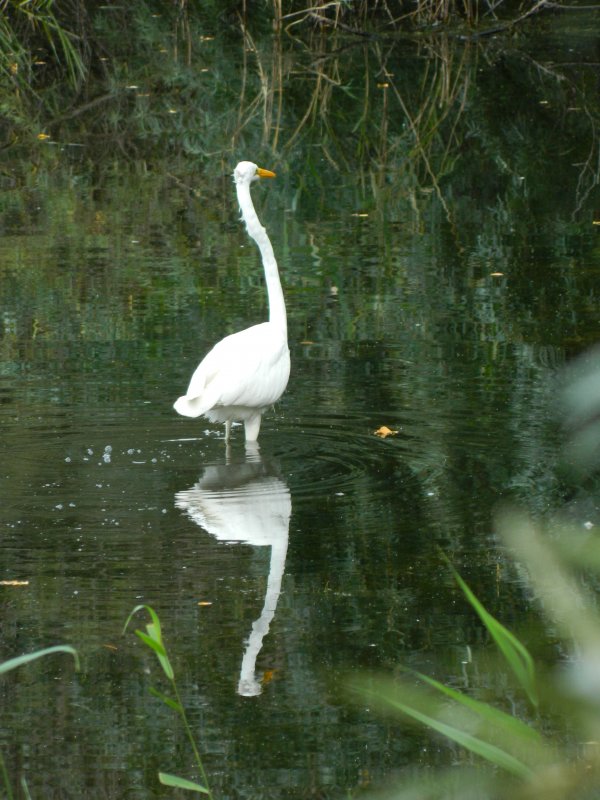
x,y
246,372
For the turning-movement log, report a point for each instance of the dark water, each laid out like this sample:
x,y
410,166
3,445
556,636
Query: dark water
x,y
275,572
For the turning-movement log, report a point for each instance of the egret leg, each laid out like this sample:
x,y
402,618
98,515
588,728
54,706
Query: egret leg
x,y
252,426
227,430
252,451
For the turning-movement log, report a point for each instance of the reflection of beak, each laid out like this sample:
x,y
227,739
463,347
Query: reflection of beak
x,y
264,173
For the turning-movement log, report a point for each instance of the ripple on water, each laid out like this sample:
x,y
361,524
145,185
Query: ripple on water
x,y
333,454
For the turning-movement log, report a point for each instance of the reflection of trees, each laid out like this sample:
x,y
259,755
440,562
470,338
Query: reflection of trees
x,y
406,115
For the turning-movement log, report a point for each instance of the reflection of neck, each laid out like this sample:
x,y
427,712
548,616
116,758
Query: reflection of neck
x,y
276,302
248,685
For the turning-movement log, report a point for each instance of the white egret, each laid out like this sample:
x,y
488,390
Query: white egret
x,y
248,371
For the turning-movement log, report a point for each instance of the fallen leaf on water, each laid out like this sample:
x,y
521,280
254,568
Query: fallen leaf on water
x,y
14,583
268,676
384,431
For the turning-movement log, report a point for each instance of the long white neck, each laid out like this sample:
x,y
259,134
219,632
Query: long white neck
x,y
259,234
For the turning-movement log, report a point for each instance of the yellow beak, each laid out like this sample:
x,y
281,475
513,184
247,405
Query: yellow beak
x,y
264,173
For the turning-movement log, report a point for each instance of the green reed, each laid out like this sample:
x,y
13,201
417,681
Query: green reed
x,y
153,639
525,749
14,663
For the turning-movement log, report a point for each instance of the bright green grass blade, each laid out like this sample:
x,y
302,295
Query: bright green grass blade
x,y
155,624
516,654
167,700
132,614
160,651
13,663
153,638
490,752
151,642
496,717
153,617
155,633
181,783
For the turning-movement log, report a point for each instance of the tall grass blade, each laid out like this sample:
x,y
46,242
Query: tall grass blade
x,y
486,750
516,654
57,37
153,616
25,788
168,701
142,607
181,783
151,642
570,605
153,639
5,779
13,663
499,720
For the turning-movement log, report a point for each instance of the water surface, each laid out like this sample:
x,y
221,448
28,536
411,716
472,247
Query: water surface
x,y
275,571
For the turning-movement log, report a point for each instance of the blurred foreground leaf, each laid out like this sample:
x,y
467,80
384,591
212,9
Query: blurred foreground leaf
x,y
515,653
580,411
563,598
480,728
13,663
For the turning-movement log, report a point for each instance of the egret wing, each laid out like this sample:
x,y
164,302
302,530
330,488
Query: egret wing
x,y
254,367
249,368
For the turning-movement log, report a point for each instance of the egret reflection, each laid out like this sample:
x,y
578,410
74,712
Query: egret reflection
x,y
245,502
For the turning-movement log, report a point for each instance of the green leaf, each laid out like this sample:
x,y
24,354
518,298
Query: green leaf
x,y
25,788
159,649
13,663
495,716
153,638
153,627
153,617
516,654
167,700
564,598
132,615
490,752
152,643
181,783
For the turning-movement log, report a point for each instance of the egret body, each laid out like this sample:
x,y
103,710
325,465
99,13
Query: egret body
x,y
248,371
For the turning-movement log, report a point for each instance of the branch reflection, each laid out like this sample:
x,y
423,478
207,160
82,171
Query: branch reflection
x,y
245,502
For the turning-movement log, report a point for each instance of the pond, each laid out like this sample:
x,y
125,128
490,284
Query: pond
x,y
440,304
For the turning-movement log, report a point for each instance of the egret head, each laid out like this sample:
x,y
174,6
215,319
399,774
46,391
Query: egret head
x,y
246,172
